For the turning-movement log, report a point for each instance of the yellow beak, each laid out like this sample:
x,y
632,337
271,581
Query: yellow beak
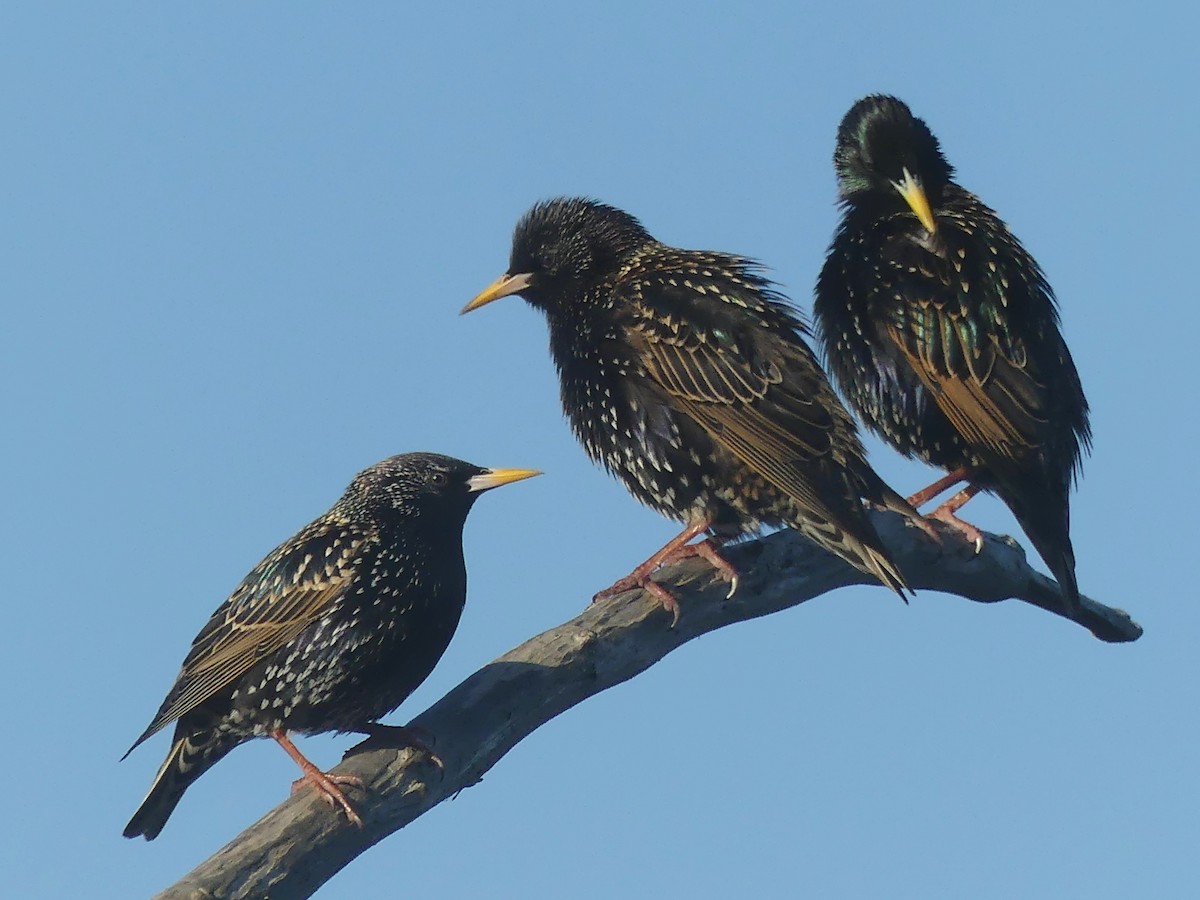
x,y
503,286
914,195
494,478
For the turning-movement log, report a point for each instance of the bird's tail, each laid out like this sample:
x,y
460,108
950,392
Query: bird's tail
x,y
863,549
190,757
869,554
1047,524
875,561
889,499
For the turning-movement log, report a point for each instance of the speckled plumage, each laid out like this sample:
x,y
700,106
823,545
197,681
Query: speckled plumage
x,y
942,330
685,374
333,629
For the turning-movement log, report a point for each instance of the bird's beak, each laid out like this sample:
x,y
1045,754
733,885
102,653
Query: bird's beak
x,y
504,286
914,195
494,478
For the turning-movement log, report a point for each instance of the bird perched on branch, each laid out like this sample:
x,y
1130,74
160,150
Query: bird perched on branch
x,y
334,629
686,375
943,333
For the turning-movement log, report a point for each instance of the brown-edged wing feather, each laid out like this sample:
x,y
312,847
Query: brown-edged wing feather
x,y
993,402
752,384
288,591
746,379
966,327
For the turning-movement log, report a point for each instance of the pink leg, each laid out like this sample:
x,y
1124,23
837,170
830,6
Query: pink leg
x,y
676,549
710,550
923,496
325,784
946,513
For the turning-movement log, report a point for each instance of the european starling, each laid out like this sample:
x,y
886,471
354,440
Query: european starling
x,y
685,374
942,331
335,628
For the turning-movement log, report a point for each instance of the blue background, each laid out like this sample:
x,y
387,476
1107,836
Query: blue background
x,y
235,242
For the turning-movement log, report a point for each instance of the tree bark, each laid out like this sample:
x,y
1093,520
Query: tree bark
x,y
302,843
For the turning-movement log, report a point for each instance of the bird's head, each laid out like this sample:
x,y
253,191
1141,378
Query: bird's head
x,y
561,249
888,158
426,486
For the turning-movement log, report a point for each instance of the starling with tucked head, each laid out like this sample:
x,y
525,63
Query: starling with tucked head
x,y
686,375
332,630
943,332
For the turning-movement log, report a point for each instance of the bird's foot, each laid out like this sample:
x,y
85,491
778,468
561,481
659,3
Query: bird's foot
x,y
970,533
324,783
707,550
327,787
665,597
400,736
639,578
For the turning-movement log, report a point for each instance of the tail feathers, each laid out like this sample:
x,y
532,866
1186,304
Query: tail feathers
x,y
1063,568
865,552
1055,548
191,755
1047,524
898,504
878,492
875,490
888,573
877,563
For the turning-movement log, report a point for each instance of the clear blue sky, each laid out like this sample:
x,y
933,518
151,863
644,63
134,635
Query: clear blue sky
x,y
235,242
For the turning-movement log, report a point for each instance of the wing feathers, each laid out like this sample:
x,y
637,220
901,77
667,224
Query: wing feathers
x,y
288,591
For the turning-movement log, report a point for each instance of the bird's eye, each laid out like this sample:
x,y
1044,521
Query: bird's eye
x,y
439,479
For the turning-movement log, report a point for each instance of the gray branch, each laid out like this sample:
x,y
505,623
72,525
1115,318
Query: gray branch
x,y
302,843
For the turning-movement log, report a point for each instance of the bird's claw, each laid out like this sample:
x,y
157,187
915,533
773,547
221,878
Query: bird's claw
x,y
640,577
733,586
666,598
413,737
620,586
327,787
969,532
653,588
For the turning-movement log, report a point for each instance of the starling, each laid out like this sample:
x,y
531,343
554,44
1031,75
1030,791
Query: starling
x,y
942,331
335,628
685,374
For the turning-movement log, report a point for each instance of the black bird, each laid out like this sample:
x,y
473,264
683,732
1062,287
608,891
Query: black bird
x,y
943,332
685,374
335,628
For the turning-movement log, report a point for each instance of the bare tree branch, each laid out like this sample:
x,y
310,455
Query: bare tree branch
x,y
301,844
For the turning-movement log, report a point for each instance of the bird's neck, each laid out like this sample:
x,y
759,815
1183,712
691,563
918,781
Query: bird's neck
x,y
421,529
586,345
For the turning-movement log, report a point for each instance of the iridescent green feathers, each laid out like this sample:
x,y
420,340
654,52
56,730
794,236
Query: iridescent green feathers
x,y
942,330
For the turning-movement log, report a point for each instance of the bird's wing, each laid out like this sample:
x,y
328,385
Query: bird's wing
x,y
954,330
722,360
285,593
